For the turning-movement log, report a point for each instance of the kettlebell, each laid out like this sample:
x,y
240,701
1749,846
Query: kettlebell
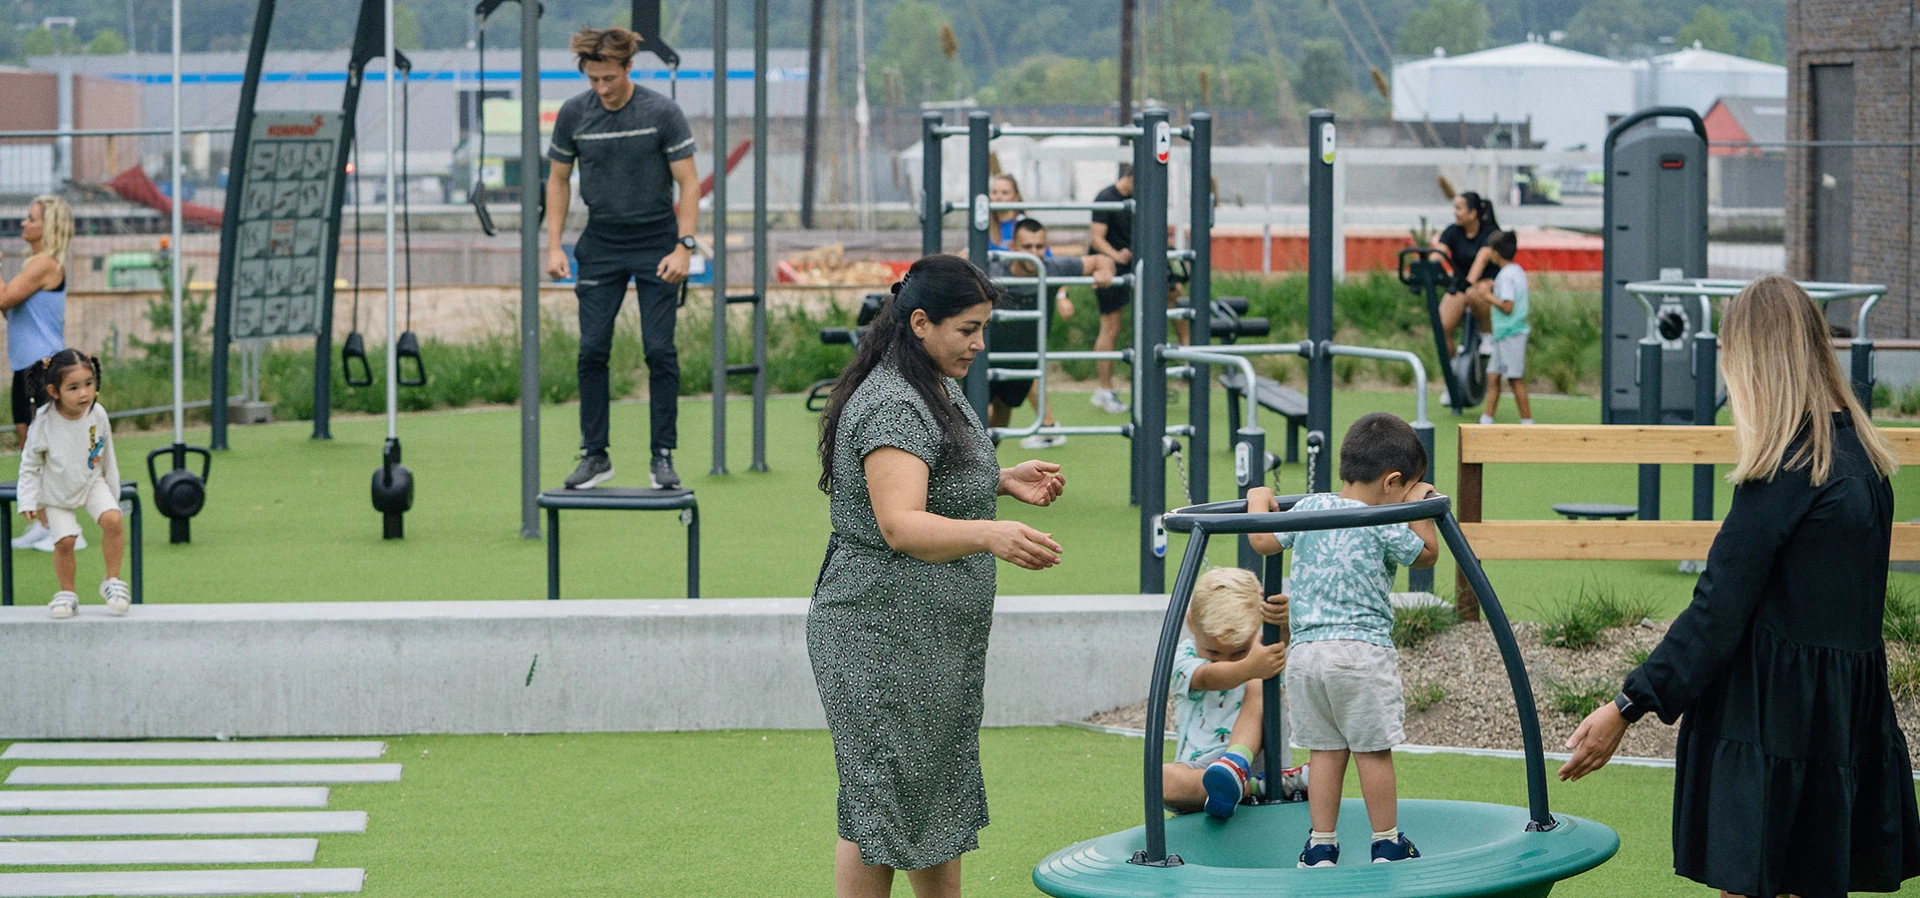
x,y
180,493
392,491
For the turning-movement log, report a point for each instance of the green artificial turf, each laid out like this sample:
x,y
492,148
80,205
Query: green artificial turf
x,y
751,813
289,518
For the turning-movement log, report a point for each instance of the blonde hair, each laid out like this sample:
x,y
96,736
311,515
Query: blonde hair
x,y
56,227
1008,214
1777,358
1226,605
616,45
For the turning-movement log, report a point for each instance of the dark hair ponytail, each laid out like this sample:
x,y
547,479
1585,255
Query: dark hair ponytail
x,y
50,371
1483,208
940,285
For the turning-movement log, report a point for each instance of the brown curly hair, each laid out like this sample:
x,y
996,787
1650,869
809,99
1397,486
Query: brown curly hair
x,y
614,44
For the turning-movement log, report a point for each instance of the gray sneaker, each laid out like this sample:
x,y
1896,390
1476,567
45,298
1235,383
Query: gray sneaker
x,y
594,469
661,472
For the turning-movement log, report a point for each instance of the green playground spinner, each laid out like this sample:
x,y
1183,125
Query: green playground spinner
x,y
1469,848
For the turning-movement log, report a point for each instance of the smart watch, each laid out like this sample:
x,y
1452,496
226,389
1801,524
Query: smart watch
x,y
1628,710
689,243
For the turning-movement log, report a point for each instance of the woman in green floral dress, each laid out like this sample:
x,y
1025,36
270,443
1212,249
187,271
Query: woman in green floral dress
x,y
898,628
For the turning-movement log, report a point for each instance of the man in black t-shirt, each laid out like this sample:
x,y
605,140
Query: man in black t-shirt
x,y
632,146
1030,237
1111,235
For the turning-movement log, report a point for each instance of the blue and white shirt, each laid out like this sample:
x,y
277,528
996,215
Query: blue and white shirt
x,y
1202,718
1341,578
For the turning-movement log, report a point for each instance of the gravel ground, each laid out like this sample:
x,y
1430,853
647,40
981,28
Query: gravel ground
x,y
1475,707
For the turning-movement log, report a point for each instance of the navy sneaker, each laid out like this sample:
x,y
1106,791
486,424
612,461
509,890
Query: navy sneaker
x,y
1320,855
1398,849
1226,782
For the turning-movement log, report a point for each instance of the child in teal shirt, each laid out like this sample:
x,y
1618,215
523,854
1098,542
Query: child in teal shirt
x,y
1509,327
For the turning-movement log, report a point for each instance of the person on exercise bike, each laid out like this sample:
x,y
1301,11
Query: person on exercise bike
x,y
1465,244
632,145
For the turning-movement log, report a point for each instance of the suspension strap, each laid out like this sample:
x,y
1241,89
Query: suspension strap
x,y
356,232
406,193
1171,446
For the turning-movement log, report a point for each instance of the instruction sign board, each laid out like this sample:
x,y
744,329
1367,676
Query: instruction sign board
x,y
286,183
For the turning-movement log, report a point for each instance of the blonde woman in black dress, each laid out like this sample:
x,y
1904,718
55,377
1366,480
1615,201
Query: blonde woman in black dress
x,y
897,632
1792,774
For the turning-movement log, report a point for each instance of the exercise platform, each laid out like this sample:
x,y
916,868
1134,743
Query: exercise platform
x,y
174,670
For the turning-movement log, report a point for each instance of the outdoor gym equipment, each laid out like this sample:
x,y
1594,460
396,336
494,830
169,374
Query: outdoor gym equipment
x,y
180,493
280,234
1468,848
355,369
392,481
1465,372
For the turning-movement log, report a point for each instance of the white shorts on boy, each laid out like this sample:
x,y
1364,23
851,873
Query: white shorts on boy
x,y
64,523
1345,694
1509,357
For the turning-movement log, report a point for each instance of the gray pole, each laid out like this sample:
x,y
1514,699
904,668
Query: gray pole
x,y
1651,392
760,249
392,74
176,274
529,268
1150,253
1320,149
933,205
1200,299
979,136
719,115
1706,396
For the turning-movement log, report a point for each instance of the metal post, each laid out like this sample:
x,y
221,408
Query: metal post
x,y
809,154
529,269
1150,253
230,229
761,253
1421,579
1249,470
1266,226
1862,358
177,273
719,361
933,205
979,135
1320,153
1706,400
1273,723
1650,392
1200,299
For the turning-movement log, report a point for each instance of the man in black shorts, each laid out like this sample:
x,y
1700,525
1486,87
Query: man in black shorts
x,y
1030,237
632,146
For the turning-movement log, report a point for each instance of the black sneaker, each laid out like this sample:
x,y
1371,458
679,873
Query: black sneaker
x,y
595,469
662,472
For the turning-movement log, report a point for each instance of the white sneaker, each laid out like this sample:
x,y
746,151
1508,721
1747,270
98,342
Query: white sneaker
x,y
118,595
1486,344
1486,419
64,605
1446,397
1106,401
1044,441
34,533
46,542
1526,420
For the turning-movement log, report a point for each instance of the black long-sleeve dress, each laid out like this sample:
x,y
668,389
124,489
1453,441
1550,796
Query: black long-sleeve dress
x,y
1792,772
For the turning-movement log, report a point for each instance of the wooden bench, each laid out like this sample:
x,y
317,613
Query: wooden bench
x,y
1591,540
1272,396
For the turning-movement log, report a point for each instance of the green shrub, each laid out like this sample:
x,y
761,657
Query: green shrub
x,y
1580,697
1579,622
1901,624
1425,695
1417,624
1903,673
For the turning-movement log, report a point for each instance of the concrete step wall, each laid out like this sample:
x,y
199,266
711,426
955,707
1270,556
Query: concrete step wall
x,y
378,668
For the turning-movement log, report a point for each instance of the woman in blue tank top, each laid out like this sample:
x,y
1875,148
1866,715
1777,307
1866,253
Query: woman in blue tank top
x,y
35,305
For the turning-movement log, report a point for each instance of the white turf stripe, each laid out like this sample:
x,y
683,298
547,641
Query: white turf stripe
x,y
162,851
182,882
613,134
265,823
192,751
203,773
161,799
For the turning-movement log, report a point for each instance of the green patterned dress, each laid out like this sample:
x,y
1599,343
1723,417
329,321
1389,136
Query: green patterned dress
x,y
899,645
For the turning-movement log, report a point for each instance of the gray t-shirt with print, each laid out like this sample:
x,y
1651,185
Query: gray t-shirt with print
x,y
623,156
